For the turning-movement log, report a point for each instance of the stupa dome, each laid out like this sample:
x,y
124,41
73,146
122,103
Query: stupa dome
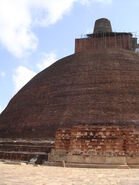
x,y
95,85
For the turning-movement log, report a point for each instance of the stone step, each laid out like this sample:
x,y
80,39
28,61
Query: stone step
x,y
24,156
29,148
80,165
25,150
16,142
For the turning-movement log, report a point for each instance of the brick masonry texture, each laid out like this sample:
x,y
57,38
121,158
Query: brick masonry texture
x,y
98,140
97,146
121,41
96,86
102,25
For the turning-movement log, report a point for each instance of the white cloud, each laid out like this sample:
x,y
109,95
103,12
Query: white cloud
x,y
47,60
105,1
18,16
84,2
15,27
2,74
21,76
50,11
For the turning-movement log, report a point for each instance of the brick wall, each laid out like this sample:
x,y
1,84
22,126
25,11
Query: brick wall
x,y
121,41
98,140
62,140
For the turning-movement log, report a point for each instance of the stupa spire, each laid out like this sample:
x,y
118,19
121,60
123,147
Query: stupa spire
x,y
102,25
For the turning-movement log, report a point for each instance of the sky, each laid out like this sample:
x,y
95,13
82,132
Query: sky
x,y
36,33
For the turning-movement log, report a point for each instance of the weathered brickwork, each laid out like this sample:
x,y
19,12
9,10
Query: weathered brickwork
x,y
97,144
62,140
21,150
105,140
104,37
102,25
123,41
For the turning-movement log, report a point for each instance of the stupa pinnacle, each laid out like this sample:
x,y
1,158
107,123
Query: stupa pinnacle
x,y
102,25
103,37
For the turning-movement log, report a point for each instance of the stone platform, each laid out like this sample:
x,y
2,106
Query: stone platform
x,y
25,150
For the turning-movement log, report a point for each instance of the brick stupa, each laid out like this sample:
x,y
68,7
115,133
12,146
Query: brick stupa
x,y
92,96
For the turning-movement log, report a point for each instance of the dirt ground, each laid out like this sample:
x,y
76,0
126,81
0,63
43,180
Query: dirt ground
x,y
43,175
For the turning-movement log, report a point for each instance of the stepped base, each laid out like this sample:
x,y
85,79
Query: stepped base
x,y
77,165
28,151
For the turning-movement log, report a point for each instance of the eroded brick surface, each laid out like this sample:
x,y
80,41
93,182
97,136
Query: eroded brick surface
x,y
101,86
98,140
62,140
124,41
